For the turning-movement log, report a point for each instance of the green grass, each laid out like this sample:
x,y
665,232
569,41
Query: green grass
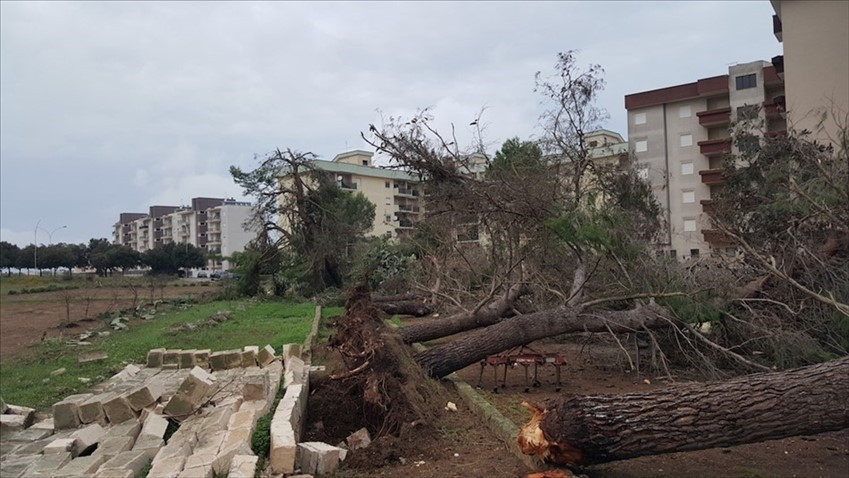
x,y
26,381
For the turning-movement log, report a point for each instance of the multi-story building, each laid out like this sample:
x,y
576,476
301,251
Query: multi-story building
x,y
215,225
815,64
396,195
680,135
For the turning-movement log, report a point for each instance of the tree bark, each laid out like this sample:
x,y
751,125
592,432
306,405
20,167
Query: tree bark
x,y
591,429
400,297
443,359
409,307
482,317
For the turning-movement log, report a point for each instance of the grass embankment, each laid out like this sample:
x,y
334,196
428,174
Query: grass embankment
x,y
27,381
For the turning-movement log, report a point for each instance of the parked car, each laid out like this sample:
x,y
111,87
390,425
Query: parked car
x,y
229,275
215,275
202,275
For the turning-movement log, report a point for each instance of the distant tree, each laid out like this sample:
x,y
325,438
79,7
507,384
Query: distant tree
x,y
97,255
8,255
26,257
123,257
171,258
516,158
55,256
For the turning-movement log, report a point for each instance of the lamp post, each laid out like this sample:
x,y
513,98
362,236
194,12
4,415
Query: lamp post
x,y
49,241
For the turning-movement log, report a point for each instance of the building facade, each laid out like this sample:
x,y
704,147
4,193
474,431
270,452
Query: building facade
x,y
215,225
680,134
815,64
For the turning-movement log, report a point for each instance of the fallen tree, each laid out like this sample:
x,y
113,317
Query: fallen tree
x,y
581,430
443,359
405,307
481,316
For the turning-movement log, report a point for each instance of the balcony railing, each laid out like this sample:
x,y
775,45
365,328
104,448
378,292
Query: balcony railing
x,y
348,186
707,205
407,192
715,117
404,224
713,236
713,147
408,208
712,176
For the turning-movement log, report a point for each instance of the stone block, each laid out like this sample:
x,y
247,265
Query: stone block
x,y
117,409
249,356
92,356
167,467
242,466
82,466
154,425
148,444
47,464
359,439
266,356
129,372
255,386
12,423
171,359
46,424
16,467
187,358
154,358
290,350
86,437
110,447
91,410
191,393
66,413
27,412
319,458
236,442
202,358
59,445
115,473
296,372
225,360
128,428
26,436
23,449
175,449
242,419
127,460
285,429
145,395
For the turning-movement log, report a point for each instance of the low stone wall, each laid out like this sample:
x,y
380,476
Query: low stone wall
x,y
119,428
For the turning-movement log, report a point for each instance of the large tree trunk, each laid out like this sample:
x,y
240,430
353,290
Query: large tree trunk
x,y
400,297
599,428
407,307
482,317
443,359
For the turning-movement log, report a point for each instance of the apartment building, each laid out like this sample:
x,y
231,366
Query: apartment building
x,y
215,225
815,64
396,195
680,134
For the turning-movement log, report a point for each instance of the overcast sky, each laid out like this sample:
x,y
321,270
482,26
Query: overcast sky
x,y
113,107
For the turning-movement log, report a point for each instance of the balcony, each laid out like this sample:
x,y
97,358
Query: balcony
x,y
776,28
712,176
778,65
404,224
716,117
408,208
712,236
714,147
772,109
407,192
707,205
775,134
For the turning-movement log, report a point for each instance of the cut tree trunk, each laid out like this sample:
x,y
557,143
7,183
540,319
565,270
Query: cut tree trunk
x,y
591,429
443,359
409,307
400,297
484,316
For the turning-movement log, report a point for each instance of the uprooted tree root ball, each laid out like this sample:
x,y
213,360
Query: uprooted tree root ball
x,y
380,371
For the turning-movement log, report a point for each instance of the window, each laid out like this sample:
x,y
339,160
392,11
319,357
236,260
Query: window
x,y
365,162
387,218
388,234
388,201
689,197
386,184
593,144
686,169
673,254
640,118
694,253
746,81
686,140
642,146
689,225
685,112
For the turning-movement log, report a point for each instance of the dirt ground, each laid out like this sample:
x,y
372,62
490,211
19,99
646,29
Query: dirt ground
x,y
26,318
459,445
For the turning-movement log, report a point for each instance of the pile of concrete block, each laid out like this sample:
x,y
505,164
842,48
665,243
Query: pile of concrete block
x,y
120,427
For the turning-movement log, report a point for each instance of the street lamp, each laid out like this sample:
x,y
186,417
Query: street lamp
x,y
35,243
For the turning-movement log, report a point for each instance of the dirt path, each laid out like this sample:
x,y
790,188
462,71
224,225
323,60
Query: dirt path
x,y
26,319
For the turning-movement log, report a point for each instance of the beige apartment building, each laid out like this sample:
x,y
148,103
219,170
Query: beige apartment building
x,y
396,195
679,135
215,225
815,64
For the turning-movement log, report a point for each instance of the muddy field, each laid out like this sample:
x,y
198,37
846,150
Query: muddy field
x,y
25,319
457,444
